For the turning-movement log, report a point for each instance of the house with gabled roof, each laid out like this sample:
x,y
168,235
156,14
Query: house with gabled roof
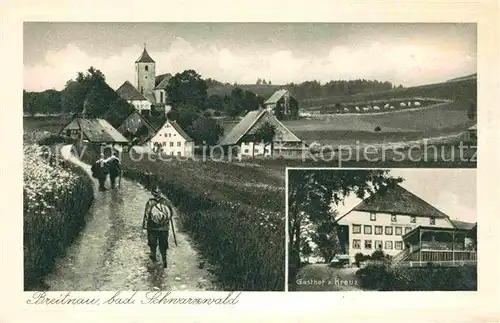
x,y
285,142
95,131
403,226
137,126
171,139
283,104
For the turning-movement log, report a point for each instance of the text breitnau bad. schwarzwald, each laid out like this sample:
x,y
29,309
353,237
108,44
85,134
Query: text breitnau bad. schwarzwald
x,y
132,298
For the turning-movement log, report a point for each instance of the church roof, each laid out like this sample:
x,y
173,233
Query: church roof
x,y
160,78
145,58
398,200
128,92
163,81
247,125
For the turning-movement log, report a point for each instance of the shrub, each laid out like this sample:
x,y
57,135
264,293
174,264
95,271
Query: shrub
x,y
234,213
56,198
378,255
431,278
377,129
358,258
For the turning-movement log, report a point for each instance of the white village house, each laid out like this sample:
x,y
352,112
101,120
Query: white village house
x,y
391,219
172,140
285,143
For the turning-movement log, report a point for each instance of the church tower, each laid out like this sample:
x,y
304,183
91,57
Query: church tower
x,y
145,75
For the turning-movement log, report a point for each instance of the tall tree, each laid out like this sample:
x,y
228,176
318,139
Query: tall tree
x,y
311,194
187,88
206,130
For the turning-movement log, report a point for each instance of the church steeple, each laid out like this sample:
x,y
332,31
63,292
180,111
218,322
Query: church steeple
x,y
145,74
145,58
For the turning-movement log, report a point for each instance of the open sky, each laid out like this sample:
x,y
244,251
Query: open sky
x,y
402,53
452,191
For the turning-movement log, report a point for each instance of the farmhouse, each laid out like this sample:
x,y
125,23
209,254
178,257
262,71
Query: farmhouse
x,y
172,140
285,143
136,126
95,131
403,226
149,89
283,104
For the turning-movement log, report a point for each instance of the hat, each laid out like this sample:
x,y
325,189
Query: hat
x,y
156,192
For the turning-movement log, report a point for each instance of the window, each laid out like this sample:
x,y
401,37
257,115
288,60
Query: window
x,y
407,229
170,135
388,230
394,218
171,153
413,219
161,96
356,228
432,221
245,151
356,244
388,245
378,229
146,68
378,245
398,245
178,144
368,229
171,144
399,231
368,244
164,144
373,216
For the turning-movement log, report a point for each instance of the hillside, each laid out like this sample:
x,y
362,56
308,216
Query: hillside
x,y
462,91
262,90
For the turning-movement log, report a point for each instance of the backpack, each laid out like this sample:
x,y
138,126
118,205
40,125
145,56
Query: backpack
x,y
160,213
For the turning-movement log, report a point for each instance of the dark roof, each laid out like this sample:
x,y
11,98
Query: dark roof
x,y
398,200
151,128
96,130
161,81
128,92
463,225
144,58
180,131
247,124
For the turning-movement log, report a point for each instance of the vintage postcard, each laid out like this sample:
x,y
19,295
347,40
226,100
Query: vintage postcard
x,y
174,163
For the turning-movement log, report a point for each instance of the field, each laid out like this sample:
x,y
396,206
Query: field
x,y
394,127
460,91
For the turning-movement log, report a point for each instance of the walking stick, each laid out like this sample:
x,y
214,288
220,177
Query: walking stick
x,y
173,231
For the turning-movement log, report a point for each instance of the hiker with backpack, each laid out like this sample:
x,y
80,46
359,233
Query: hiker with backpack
x,y
100,171
114,167
158,215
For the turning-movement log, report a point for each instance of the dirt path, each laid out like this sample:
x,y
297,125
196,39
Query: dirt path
x,y
111,252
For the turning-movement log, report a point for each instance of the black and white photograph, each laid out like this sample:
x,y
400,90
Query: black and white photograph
x,y
382,229
155,153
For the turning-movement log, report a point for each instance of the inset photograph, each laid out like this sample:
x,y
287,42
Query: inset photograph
x,y
382,229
